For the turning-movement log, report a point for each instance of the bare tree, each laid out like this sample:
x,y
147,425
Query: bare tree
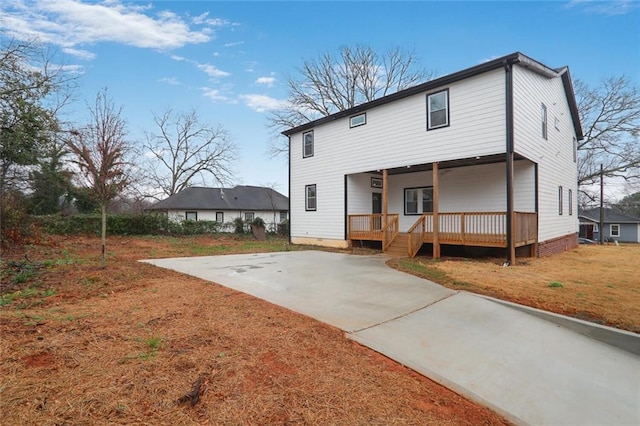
x,y
610,117
100,151
187,151
336,83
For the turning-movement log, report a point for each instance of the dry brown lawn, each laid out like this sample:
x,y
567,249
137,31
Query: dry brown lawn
x,y
136,344
594,283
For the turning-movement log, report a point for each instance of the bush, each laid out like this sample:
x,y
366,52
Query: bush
x,y
124,224
283,228
238,225
14,221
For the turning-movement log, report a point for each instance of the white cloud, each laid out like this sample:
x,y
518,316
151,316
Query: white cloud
x,y
610,8
211,70
235,43
213,94
170,80
262,103
79,53
267,81
72,23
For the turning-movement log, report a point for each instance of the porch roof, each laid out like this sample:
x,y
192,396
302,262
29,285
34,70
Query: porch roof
x,y
450,164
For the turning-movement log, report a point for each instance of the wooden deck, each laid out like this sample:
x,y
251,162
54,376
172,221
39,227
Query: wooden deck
x,y
484,229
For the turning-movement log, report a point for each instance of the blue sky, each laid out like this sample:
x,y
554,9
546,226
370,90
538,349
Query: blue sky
x,y
230,60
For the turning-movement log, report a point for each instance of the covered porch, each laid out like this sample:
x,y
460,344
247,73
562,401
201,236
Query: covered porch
x,y
481,229
453,206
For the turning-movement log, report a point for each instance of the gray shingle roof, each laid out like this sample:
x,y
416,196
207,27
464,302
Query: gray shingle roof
x,y
610,216
240,197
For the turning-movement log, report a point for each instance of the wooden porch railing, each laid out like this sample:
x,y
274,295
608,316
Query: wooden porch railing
x,y
485,229
416,235
370,227
390,231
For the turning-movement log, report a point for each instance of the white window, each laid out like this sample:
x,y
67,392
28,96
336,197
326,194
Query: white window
x,y
438,110
556,123
220,217
418,200
310,198
307,142
283,216
249,216
570,202
358,120
560,200
614,230
543,118
595,227
191,215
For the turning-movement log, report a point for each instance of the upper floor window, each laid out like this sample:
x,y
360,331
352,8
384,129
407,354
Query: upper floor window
x,y
307,144
358,120
310,197
191,215
543,118
438,110
418,200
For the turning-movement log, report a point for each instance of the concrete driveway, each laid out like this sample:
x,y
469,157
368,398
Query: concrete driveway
x,y
525,367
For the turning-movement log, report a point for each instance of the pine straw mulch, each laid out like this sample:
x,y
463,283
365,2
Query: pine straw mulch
x,y
136,344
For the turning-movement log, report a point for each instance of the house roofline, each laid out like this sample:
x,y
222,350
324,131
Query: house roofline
x,y
513,58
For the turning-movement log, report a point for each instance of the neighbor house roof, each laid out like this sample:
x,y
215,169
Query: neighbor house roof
x,y
240,197
610,216
514,58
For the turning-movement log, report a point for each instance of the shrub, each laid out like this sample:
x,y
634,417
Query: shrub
x,y
283,228
238,225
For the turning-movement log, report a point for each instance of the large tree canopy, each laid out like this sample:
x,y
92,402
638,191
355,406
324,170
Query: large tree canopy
x,y
28,82
185,151
334,83
610,117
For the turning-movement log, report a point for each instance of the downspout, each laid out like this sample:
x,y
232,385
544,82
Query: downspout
x,y
289,231
508,68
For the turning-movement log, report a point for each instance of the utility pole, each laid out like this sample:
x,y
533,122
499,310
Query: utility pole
x,y
601,225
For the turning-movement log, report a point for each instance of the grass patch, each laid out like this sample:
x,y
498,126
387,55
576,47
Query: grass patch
x,y
555,284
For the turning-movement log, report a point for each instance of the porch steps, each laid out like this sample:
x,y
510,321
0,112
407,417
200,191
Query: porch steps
x,y
399,247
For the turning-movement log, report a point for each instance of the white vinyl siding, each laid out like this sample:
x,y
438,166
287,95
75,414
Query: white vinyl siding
x,y
555,155
395,136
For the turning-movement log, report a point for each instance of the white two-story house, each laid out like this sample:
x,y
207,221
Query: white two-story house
x,y
482,157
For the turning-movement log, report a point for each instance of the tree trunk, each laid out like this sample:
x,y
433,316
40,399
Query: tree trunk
x,y
104,236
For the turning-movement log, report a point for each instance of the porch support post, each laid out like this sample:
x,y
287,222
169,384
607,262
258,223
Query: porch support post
x,y
385,204
436,221
510,225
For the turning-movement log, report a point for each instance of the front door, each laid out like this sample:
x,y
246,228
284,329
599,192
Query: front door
x,y
376,208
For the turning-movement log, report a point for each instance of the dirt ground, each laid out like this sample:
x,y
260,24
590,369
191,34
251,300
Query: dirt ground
x,y
594,283
136,344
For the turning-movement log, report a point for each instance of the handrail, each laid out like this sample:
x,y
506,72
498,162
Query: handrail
x,y
416,236
390,231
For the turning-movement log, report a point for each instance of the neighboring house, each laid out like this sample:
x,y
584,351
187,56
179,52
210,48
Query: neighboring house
x,y
482,157
617,226
223,205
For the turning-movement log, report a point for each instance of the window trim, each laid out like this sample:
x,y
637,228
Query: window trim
x,y
363,115
187,213
253,216
617,234
595,227
222,214
304,144
306,197
447,109
544,117
560,194
419,200
285,214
